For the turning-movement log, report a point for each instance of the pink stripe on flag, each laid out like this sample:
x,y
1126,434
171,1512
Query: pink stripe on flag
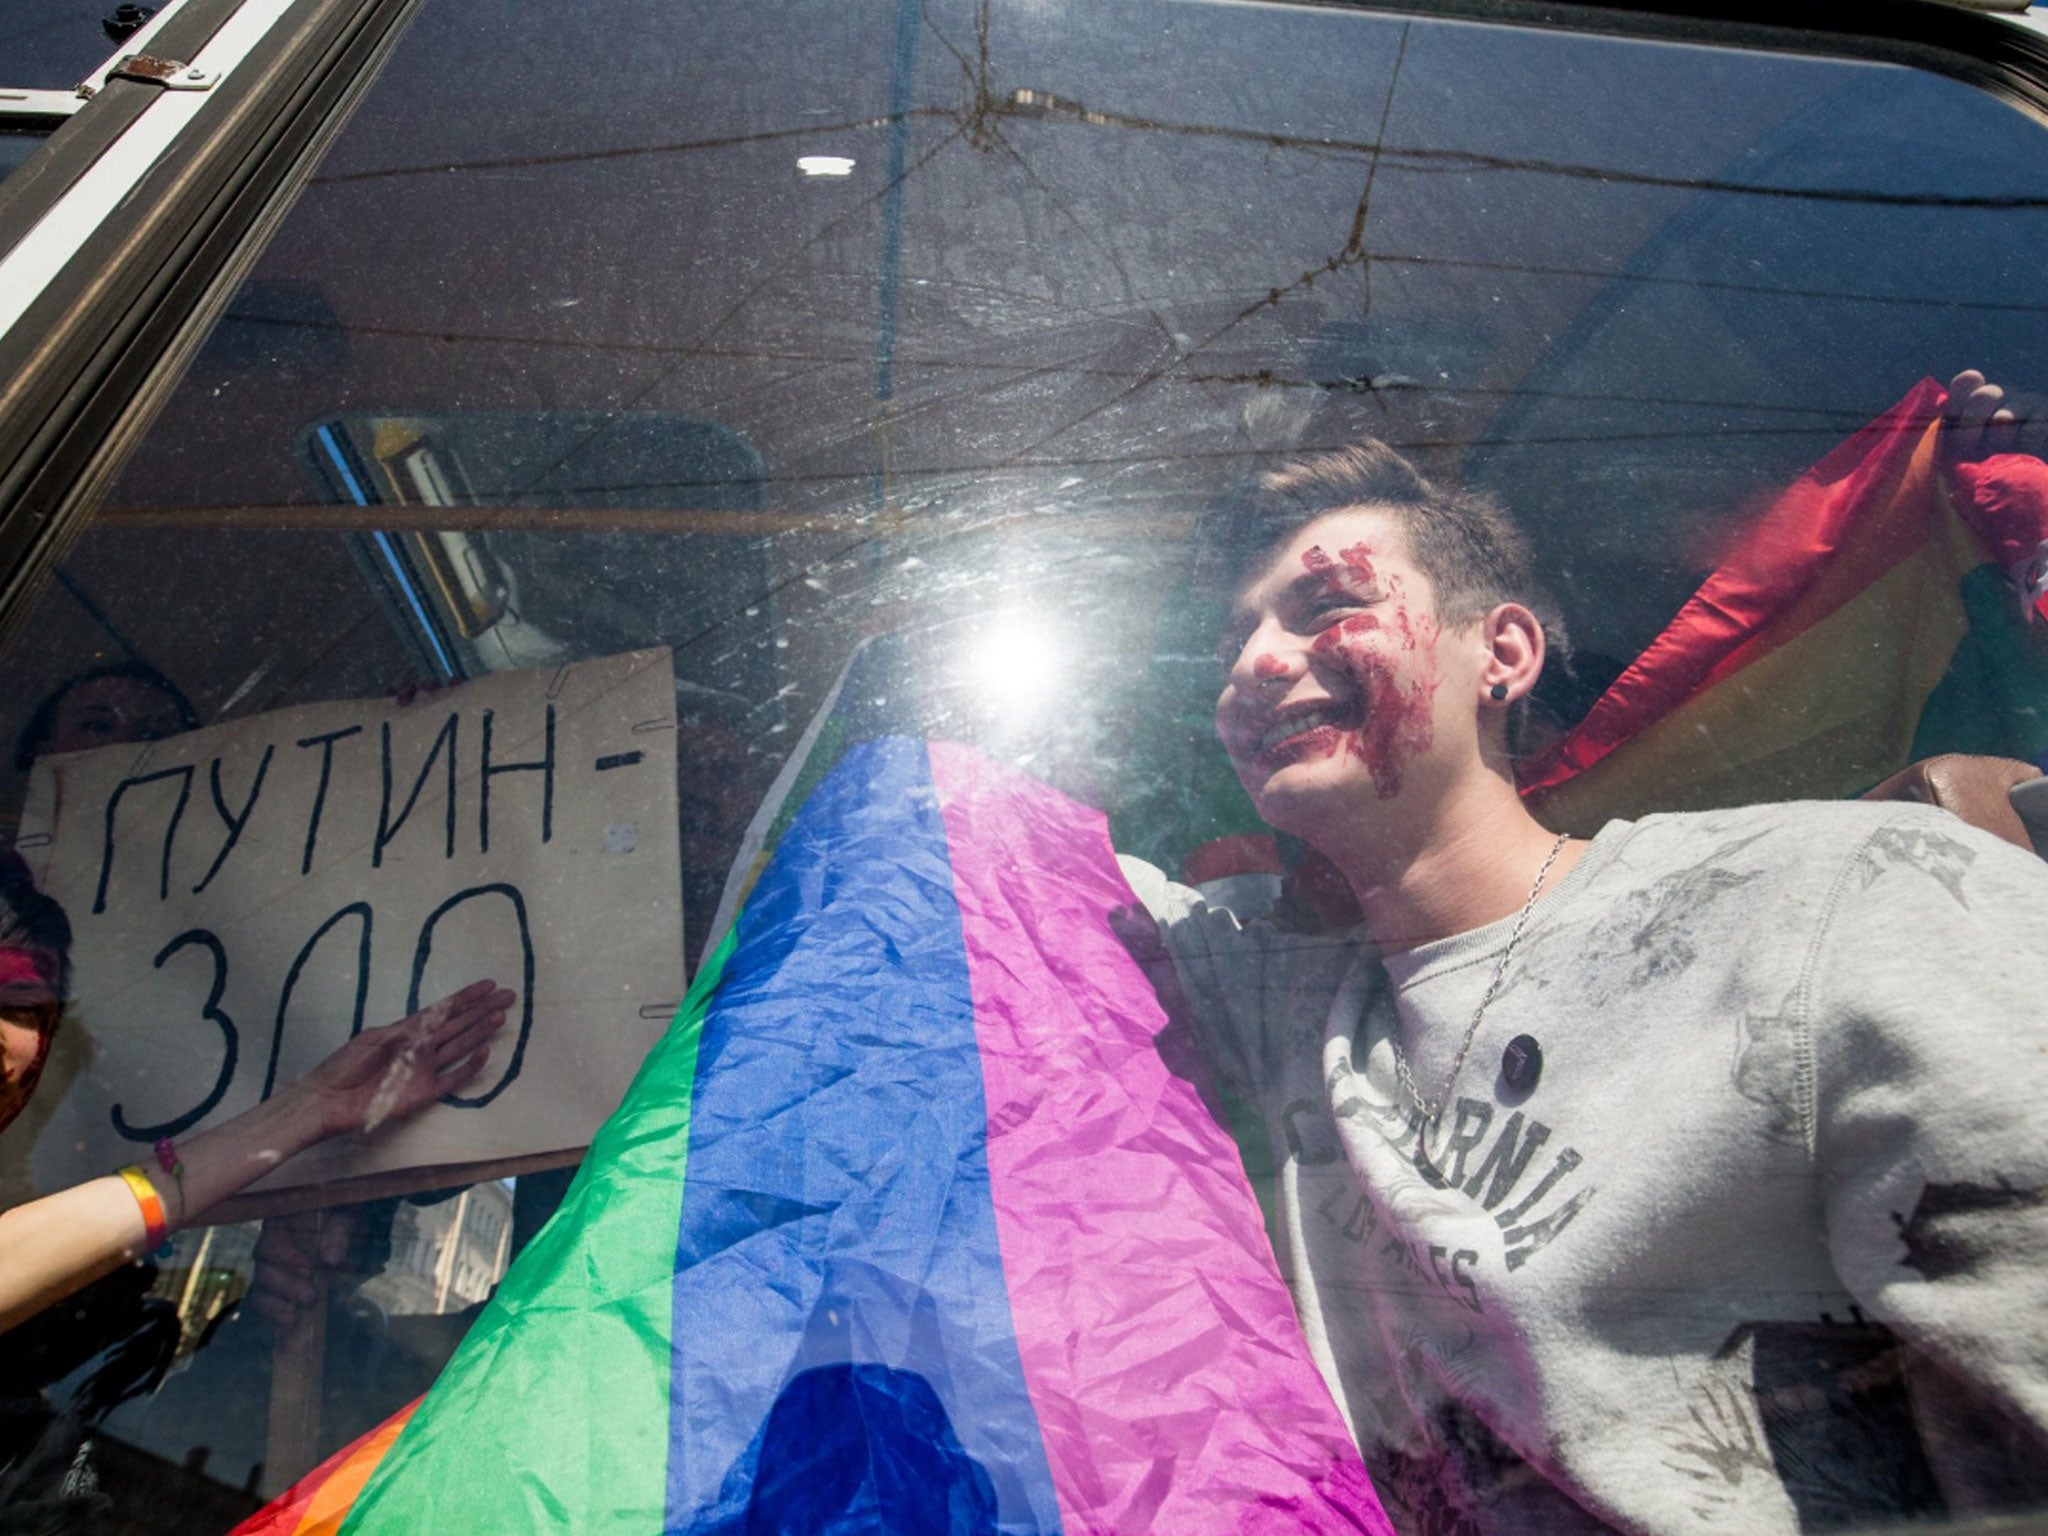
x,y
1171,1380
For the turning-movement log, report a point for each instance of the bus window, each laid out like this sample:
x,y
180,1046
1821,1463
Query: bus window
x,y
898,370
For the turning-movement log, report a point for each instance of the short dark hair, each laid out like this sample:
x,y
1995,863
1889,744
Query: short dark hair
x,y
1465,543
32,921
42,724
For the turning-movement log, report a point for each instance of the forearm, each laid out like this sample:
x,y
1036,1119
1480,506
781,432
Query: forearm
x,y
52,1246
379,1076
218,1163
1929,1064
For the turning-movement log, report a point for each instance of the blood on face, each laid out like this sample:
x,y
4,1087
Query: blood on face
x,y
1389,664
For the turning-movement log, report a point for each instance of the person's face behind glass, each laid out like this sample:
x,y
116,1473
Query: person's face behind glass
x,y
105,710
28,1018
1345,699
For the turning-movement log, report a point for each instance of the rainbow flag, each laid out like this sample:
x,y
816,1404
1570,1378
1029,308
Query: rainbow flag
x,y
318,1502
905,1226
1802,666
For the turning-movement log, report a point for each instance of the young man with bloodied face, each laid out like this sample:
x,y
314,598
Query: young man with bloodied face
x,y
1685,1179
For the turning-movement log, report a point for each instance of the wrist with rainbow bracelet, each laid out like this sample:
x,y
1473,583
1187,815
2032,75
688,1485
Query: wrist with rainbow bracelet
x,y
156,1230
168,1160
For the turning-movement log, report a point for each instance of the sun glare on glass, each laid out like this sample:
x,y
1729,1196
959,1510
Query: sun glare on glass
x,y
1015,665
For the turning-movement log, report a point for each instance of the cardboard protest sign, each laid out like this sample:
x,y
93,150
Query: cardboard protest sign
x,y
245,897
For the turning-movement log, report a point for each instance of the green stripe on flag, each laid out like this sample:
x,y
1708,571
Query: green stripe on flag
x,y
553,1415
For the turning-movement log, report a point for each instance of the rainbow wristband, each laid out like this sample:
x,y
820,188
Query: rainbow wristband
x,y
154,1228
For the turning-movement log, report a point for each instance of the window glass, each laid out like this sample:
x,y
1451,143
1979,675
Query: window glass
x,y
888,369
17,146
51,45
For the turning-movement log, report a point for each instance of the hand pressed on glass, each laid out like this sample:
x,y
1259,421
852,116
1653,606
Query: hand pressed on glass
x,y
391,1072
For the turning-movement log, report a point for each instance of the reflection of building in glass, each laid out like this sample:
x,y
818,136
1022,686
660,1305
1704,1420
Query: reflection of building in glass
x,y
446,1256
207,1273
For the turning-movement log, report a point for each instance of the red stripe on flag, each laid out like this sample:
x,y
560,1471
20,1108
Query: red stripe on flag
x,y
318,1502
1839,528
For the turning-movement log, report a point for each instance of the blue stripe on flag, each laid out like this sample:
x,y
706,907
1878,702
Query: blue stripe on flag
x,y
843,1356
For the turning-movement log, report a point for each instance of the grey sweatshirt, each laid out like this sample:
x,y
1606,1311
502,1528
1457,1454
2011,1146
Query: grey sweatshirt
x,y
1765,1246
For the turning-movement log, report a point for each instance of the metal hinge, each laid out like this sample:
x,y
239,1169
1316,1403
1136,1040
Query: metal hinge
x,y
171,74
15,103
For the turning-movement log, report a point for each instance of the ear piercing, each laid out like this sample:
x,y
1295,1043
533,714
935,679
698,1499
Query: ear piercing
x,y
1498,692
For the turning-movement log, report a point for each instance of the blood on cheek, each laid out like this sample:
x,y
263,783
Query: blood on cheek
x,y
1398,721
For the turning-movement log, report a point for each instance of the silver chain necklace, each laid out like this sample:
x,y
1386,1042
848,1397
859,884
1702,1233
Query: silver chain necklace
x,y
1432,1112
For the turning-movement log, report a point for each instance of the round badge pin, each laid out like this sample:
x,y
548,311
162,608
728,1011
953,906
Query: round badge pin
x,y
1521,1063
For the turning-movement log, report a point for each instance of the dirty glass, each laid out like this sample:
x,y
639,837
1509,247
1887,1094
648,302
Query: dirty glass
x,y
892,370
